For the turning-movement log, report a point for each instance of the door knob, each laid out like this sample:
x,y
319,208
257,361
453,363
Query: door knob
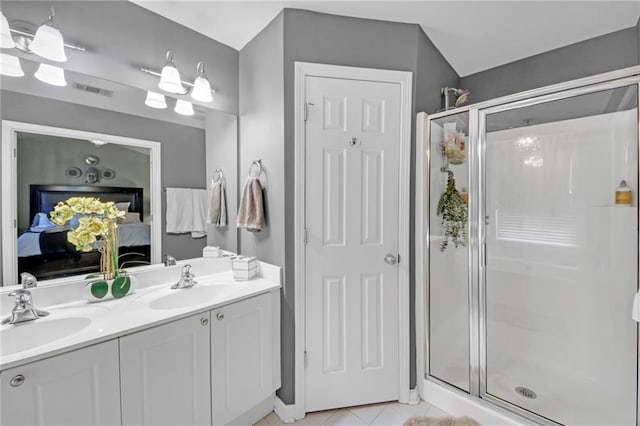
x,y
390,259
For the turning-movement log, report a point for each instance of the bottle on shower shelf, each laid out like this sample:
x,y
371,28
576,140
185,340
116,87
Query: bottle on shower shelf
x,y
624,196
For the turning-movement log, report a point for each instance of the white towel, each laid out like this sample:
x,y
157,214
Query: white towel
x,y
186,211
199,225
217,213
251,211
179,210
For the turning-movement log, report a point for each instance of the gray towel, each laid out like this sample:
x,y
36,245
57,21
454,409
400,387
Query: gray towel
x,y
217,213
251,211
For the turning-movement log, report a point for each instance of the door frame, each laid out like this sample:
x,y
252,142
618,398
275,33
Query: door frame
x,y
404,79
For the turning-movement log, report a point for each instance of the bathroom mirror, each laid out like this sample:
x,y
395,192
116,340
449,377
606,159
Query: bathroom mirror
x,y
87,135
36,159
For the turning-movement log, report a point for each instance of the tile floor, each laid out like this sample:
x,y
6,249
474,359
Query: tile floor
x,y
385,414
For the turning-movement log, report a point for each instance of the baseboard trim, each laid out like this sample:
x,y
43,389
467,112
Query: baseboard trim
x,y
414,396
284,411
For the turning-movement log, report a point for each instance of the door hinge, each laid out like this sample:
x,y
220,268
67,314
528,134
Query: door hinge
x,y
306,109
15,152
15,223
398,258
306,359
305,236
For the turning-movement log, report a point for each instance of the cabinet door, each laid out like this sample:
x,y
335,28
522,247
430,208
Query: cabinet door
x,y
241,357
77,388
165,373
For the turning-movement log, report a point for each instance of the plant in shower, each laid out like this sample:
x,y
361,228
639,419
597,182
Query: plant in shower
x,y
454,215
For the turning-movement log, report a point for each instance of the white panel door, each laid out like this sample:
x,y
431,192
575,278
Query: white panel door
x,y
241,357
352,181
77,388
165,373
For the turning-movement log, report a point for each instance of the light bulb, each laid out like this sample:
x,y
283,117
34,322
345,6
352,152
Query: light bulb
x,y
51,74
184,107
201,90
6,41
155,100
48,43
10,66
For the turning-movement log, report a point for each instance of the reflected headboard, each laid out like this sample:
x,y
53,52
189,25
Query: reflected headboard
x,y
43,198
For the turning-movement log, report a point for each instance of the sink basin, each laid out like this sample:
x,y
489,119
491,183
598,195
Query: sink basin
x,y
183,298
28,335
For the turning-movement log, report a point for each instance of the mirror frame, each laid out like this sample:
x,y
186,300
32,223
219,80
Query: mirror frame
x,y
10,195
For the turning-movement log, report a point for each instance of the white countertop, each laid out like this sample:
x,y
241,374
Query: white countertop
x,y
115,318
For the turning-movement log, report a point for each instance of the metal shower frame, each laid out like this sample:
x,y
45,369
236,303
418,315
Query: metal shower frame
x,y
477,248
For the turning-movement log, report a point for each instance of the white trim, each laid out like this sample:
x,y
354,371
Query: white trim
x,y
9,190
420,260
404,79
287,413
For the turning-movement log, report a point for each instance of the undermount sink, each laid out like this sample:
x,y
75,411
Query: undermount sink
x,y
28,335
185,297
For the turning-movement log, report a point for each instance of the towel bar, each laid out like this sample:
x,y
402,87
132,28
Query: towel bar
x,y
257,163
218,175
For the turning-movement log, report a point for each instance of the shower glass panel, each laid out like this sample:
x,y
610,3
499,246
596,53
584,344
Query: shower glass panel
x,y
448,254
561,258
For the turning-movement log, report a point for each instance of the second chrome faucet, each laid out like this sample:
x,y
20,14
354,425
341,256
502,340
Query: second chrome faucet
x,y
186,279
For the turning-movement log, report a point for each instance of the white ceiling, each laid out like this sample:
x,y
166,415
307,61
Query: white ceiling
x,y
472,35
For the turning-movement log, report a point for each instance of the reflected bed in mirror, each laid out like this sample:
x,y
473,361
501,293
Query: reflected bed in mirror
x,y
50,165
43,247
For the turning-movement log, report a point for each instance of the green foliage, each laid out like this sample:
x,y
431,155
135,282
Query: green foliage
x,y
454,215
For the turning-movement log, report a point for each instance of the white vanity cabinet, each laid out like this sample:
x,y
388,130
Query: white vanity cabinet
x,y
76,388
165,373
243,337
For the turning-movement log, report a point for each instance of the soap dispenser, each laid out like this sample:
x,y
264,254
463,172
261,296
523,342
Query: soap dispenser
x,y
623,194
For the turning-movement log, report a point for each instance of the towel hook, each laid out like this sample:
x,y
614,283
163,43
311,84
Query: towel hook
x,y
218,176
257,163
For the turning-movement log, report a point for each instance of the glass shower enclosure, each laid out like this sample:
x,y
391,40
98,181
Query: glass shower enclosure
x,y
530,251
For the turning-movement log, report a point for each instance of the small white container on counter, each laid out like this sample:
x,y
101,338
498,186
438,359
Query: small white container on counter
x,y
244,268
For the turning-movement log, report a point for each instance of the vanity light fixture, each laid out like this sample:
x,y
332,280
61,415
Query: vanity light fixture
x,y
10,66
51,74
184,107
155,100
170,77
48,41
201,87
6,41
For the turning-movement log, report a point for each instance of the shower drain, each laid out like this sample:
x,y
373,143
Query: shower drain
x,y
526,392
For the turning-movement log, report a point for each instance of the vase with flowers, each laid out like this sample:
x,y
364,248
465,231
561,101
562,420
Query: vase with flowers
x,y
96,229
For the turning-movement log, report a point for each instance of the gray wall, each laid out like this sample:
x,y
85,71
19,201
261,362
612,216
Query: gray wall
x,y
183,148
121,37
609,52
267,120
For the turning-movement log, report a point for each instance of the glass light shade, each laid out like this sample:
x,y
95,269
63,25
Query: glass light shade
x,y
51,74
170,80
155,100
184,107
6,41
201,90
10,66
48,43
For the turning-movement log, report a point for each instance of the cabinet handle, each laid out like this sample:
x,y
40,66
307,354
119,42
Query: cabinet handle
x,y
204,321
220,316
17,381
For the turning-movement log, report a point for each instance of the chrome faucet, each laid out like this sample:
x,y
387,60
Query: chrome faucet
x,y
169,260
24,310
186,279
